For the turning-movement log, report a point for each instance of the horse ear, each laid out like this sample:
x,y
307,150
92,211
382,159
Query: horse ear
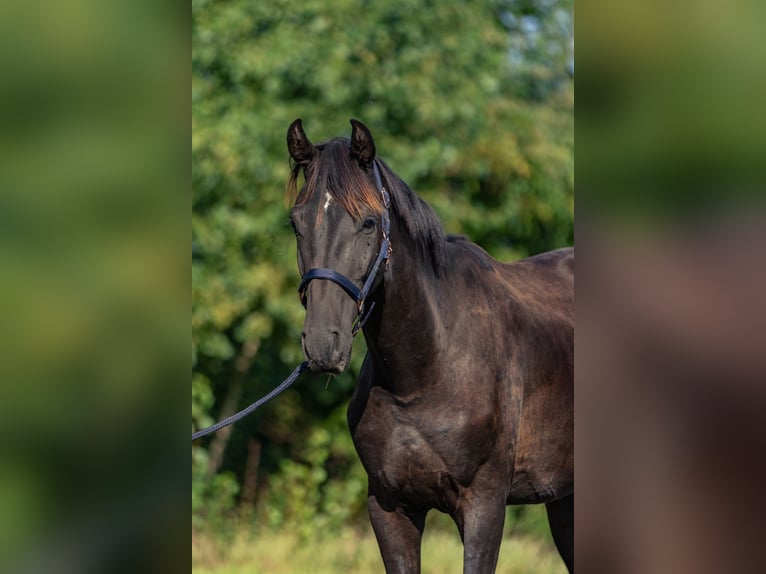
x,y
300,147
362,144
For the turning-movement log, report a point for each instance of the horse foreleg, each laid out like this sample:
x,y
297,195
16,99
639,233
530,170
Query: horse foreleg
x,y
481,527
561,521
399,533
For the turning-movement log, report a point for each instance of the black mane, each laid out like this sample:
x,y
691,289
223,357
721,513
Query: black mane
x,y
420,221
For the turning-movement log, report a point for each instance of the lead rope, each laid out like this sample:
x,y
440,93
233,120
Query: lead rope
x,y
246,411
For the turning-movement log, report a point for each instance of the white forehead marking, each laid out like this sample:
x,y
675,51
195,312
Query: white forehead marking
x,y
328,201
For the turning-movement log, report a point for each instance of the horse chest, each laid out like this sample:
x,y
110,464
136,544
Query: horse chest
x,y
423,458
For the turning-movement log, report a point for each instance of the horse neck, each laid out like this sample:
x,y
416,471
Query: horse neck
x,y
402,334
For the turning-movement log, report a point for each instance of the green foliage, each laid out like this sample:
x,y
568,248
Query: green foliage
x,y
322,489
213,498
472,107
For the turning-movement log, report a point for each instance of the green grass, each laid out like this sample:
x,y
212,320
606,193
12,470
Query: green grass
x,y
355,551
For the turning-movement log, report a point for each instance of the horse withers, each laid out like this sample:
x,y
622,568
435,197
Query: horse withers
x,y
465,398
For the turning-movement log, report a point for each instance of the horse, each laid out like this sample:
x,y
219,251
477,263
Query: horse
x,y
464,401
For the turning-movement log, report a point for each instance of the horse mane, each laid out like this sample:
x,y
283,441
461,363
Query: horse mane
x,y
420,220
335,171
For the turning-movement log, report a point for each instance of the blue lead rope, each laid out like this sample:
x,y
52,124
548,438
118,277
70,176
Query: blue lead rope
x,y
244,412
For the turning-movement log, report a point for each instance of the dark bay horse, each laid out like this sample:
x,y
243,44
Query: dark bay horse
x,y
465,399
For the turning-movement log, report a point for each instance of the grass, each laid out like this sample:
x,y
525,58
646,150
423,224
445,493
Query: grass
x,y
356,551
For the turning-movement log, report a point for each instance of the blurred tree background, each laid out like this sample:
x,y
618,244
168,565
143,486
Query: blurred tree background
x,y
470,102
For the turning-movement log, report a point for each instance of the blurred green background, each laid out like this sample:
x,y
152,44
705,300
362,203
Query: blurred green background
x,y
472,104
94,179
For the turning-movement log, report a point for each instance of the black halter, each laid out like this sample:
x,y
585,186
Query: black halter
x,y
358,295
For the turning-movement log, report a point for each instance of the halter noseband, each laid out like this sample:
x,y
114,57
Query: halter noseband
x,y
358,295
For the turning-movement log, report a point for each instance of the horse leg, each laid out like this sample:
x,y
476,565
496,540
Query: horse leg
x,y
561,521
481,528
399,534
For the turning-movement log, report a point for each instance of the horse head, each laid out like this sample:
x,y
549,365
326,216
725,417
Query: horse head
x,y
340,219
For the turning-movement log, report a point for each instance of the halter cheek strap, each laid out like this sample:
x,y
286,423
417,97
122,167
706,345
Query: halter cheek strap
x,y
358,295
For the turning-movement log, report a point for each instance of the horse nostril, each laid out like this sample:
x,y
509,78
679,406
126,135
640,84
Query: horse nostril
x,y
303,344
337,352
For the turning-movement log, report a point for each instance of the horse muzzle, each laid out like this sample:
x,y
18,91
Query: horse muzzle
x,y
327,349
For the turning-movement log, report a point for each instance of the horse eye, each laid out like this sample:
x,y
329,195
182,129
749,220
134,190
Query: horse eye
x,y
295,228
369,224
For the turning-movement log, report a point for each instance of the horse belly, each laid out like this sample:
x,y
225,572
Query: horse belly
x,y
539,487
543,466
